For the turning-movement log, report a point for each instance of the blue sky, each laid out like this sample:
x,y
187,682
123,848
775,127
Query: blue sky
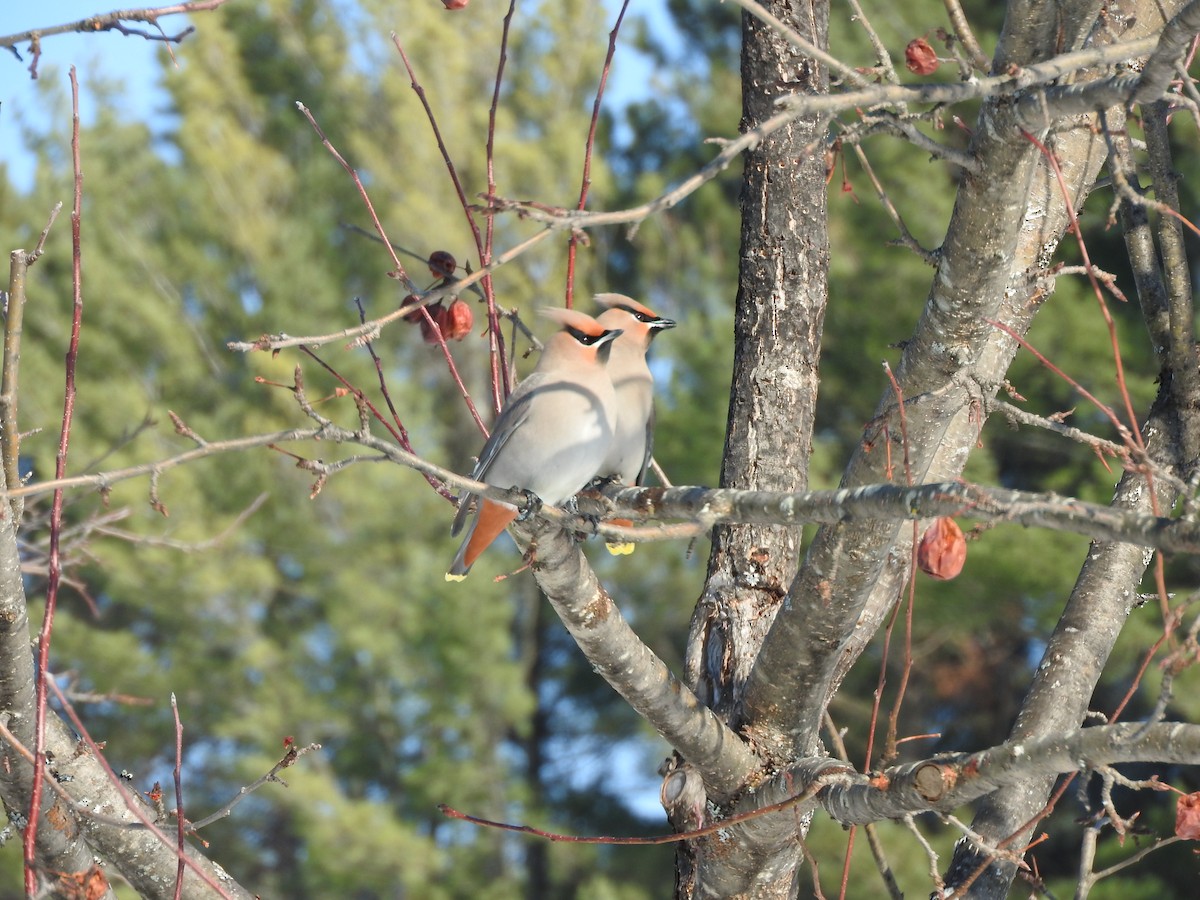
x,y
131,61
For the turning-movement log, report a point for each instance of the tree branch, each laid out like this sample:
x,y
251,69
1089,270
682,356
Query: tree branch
x,y
634,671
949,780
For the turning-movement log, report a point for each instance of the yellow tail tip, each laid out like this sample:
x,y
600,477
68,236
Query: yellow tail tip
x,y
452,577
622,549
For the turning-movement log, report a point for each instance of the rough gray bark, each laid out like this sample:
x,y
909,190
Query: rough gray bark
x,y
1104,594
778,319
1008,219
69,839
60,846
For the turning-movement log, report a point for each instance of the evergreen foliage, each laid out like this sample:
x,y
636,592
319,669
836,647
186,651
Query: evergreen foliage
x,y
327,619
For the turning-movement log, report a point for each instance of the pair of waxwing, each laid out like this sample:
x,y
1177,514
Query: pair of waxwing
x,y
586,410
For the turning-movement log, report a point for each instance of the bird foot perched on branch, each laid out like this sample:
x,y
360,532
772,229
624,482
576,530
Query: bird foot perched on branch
x,y
530,506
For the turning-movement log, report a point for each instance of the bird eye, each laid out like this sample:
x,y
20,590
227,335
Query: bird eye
x,y
636,313
583,337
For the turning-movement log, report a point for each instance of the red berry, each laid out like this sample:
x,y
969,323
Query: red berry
x,y
428,331
456,320
942,550
920,58
442,264
416,315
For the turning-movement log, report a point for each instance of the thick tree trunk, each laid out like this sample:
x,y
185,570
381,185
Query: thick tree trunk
x,y
780,310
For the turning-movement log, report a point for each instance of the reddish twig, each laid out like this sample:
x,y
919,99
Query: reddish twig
x,y
906,670
1122,386
56,509
179,815
845,882
399,434
496,338
500,366
419,90
807,794
400,271
1137,678
130,803
586,180
1107,410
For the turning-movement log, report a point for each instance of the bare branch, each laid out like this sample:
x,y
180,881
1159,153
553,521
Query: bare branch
x,y
113,21
372,326
104,480
962,30
60,468
705,507
14,317
289,759
1160,67
632,668
948,780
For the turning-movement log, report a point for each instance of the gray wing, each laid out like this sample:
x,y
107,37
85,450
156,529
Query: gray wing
x,y
514,414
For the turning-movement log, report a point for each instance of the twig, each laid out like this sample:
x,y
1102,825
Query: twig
x,y
402,432
283,341
400,271
104,480
1104,408
1016,415
185,546
883,59
400,435
906,237
179,814
14,313
111,22
588,146
1093,877
936,876
962,30
56,510
884,121
1114,341
501,368
655,840
437,134
289,758
461,193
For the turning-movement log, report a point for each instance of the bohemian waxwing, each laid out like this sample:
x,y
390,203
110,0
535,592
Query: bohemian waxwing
x,y
629,457
552,436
